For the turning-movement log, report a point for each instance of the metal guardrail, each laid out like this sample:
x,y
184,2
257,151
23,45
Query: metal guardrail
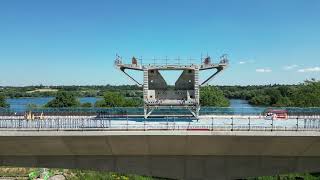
x,y
172,61
292,111
87,124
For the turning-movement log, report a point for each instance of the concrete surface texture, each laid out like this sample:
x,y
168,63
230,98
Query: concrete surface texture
x,y
156,80
159,91
171,154
186,80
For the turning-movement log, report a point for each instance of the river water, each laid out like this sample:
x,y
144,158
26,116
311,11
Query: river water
x,y
21,104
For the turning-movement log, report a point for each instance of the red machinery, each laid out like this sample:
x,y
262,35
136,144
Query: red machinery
x,y
277,114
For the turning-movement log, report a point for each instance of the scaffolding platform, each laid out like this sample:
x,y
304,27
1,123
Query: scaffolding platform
x,y
186,92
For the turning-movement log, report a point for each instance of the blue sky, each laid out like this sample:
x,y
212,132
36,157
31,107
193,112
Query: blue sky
x,y
74,42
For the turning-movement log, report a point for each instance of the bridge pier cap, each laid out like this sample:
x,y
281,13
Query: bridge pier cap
x,y
185,94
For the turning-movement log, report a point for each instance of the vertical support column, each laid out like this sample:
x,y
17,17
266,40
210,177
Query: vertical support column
x,y
197,91
196,85
145,90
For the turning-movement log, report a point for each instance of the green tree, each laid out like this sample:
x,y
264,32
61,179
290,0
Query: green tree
x,y
307,94
86,105
3,102
32,106
213,96
263,100
100,103
115,99
274,95
64,99
133,102
284,101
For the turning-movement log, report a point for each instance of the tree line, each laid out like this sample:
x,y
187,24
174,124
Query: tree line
x,y
212,96
79,91
306,94
3,102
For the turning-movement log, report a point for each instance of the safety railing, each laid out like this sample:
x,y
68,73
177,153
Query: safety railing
x,y
170,61
292,111
87,124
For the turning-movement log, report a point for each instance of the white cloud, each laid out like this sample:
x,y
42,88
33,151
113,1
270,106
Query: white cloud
x,y
312,69
289,67
246,62
263,70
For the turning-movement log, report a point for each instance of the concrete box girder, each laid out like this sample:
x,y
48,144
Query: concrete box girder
x,y
171,154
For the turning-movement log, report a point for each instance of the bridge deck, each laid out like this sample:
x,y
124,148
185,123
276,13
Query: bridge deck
x,y
193,153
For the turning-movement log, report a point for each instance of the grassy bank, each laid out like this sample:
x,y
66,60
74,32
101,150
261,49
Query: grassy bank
x,y
33,173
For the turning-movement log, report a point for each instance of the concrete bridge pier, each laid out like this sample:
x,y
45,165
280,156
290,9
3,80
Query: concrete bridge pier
x,y
175,167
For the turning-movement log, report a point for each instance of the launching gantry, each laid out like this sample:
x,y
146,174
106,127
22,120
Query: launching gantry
x,y
186,91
